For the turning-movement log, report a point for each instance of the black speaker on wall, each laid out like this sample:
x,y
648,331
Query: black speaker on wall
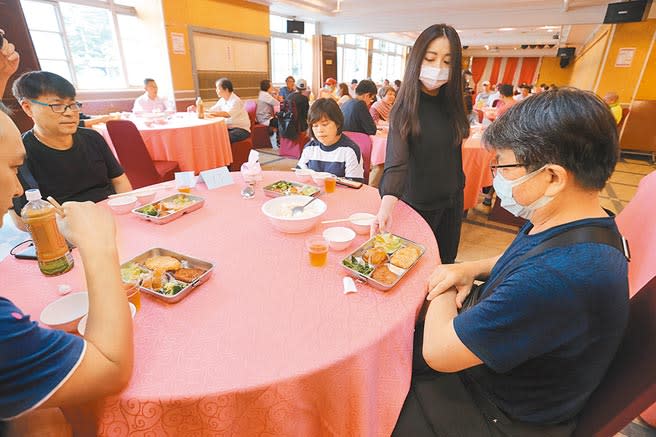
x,y
565,54
627,12
294,26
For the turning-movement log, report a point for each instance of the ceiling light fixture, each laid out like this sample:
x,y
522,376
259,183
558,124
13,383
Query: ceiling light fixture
x,y
487,47
506,29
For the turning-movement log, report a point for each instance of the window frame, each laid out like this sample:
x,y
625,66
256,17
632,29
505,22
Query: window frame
x,y
115,10
303,38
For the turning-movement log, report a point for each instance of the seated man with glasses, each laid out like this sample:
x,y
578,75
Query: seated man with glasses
x,y
521,355
63,161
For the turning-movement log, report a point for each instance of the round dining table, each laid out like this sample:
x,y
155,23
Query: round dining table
x,y
269,345
475,163
196,144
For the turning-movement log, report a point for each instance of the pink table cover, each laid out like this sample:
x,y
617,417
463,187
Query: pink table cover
x,y
269,345
475,163
195,144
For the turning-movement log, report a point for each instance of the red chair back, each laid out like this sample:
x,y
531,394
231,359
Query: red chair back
x,y
364,142
132,153
629,386
251,107
637,222
293,148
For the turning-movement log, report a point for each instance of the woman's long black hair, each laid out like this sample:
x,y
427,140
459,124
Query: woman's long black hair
x,y
405,113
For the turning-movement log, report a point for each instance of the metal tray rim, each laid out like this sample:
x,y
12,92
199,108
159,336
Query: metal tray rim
x,y
274,193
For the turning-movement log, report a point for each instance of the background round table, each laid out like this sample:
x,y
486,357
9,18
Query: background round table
x,y
196,144
268,345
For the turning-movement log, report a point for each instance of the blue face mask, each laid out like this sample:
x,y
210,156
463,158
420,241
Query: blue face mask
x,y
503,187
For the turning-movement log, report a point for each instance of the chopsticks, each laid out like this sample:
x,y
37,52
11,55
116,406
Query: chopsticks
x,y
325,222
58,207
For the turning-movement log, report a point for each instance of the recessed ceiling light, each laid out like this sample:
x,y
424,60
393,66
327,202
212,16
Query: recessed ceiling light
x,y
487,47
506,29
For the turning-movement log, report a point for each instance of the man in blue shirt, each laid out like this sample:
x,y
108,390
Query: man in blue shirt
x,y
44,368
524,359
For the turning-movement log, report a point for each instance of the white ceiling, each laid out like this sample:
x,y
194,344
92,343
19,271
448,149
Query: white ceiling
x,y
502,25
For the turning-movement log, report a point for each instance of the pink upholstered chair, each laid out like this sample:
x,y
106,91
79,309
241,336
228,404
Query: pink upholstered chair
x,y
139,167
293,148
259,132
637,222
364,142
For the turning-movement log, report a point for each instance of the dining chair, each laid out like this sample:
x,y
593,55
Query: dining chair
x,y
259,132
629,385
292,148
139,167
364,142
240,151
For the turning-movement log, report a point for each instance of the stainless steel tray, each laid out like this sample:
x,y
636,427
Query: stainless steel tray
x,y
357,253
198,203
191,263
299,186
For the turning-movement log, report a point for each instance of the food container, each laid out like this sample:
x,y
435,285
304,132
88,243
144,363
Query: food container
x,y
123,204
195,202
361,222
276,211
287,188
398,271
187,262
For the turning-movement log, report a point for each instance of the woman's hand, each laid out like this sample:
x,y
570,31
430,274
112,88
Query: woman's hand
x,y
383,220
458,277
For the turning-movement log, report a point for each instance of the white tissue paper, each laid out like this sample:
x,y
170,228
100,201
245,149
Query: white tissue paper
x,y
349,285
251,170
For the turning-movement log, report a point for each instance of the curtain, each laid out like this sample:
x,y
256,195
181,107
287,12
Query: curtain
x,y
496,66
509,73
477,69
529,67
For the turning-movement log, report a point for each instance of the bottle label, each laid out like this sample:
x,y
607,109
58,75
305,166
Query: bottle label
x,y
49,242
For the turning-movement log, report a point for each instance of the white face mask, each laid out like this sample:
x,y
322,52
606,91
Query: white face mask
x,y
503,187
433,77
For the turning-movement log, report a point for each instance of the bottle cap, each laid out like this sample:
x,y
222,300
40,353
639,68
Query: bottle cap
x,y
33,194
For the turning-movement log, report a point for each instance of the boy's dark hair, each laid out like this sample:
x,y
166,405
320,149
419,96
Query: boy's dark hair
x,y
325,108
366,87
148,80
33,84
224,83
506,90
290,77
265,85
566,126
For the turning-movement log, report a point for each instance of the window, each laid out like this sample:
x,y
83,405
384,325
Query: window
x,y
387,61
93,43
351,58
291,54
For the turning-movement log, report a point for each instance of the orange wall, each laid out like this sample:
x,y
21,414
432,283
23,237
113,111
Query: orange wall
x,y
225,15
624,80
550,72
587,63
647,90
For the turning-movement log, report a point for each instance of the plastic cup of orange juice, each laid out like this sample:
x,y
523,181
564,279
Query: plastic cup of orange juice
x,y
329,183
184,189
317,248
133,293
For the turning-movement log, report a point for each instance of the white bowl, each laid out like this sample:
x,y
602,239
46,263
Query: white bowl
x,y
278,210
304,174
65,312
361,222
145,197
319,176
82,325
339,237
122,204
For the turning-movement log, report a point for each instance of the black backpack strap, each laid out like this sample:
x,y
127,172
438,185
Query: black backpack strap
x,y
582,234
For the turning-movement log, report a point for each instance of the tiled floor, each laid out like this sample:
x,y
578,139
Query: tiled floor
x,y
481,238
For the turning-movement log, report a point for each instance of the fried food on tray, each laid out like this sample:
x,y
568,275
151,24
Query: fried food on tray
x,y
165,263
405,256
375,256
188,275
383,275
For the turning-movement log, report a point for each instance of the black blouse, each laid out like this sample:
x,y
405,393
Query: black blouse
x,y
425,172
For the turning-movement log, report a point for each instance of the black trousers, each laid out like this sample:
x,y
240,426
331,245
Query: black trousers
x,y
446,224
237,134
452,405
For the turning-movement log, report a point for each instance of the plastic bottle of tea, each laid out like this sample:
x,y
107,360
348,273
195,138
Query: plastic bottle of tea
x,y
200,109
52,252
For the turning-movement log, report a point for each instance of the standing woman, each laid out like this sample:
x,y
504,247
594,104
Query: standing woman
x,y
423,164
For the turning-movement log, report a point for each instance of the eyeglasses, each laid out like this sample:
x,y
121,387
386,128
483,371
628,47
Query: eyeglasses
x,y
495,167
60,108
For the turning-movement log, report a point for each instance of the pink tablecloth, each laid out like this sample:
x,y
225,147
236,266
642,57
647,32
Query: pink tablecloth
x,y
475,163
269,345
195,144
